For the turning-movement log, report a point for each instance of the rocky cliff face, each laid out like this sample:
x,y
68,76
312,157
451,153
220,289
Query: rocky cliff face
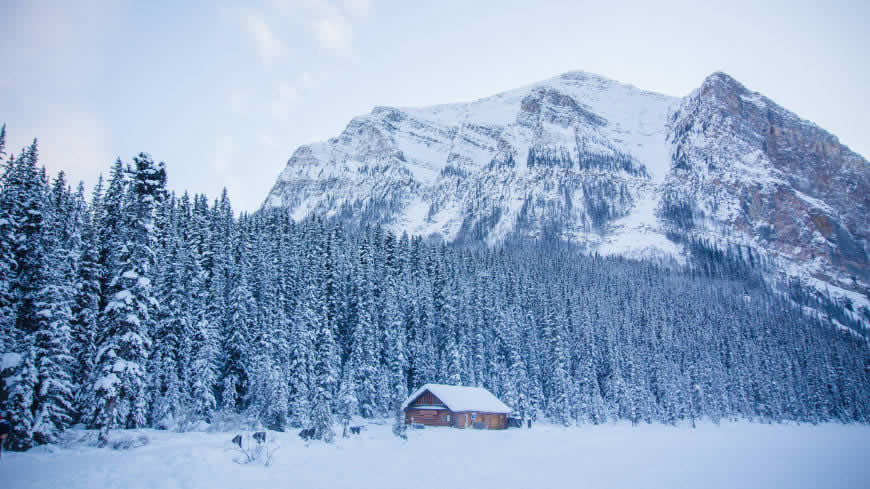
x,y
614,168
748,170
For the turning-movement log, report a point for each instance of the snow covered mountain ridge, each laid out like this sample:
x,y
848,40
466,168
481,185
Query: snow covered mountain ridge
x,y
606,165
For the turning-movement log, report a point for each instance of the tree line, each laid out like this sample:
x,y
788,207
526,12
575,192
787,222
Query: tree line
x,y
137,307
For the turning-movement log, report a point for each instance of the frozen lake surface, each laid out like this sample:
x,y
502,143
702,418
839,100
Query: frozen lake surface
x,y
731,455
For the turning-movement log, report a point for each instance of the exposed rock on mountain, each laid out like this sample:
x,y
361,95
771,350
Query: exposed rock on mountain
x,y
745,169
606,165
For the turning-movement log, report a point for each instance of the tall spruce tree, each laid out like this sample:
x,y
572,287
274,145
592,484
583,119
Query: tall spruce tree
x,y
121,389
24,199
86,304
53,399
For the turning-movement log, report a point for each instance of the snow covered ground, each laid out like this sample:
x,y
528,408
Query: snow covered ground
x,y
731,455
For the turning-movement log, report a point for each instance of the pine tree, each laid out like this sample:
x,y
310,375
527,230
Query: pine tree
x,y
20,381
171,319
109,212
591,403
517,395
218,305
364,346
8,245
301,363
121,389
203,374
86,305
53,399
560,384
201,341
268,394
347,404
235,343
28,185
396,359
323,373
23,200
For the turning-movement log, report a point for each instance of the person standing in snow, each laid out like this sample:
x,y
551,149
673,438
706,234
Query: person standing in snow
x,y
4,430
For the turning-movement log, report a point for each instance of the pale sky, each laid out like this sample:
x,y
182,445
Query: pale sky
x,y
224,93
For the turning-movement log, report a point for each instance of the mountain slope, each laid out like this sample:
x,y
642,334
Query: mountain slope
x,y
749,170
606,165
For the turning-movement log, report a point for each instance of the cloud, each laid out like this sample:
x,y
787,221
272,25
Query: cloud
x,y
265,139
358,8
223,154
287,97
239,102
269,47
330,22
288,94
306,80
334,33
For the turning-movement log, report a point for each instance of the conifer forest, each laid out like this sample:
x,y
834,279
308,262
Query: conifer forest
x,y
131,306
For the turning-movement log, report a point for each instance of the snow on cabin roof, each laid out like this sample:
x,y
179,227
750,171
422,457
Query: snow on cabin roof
x,y
460,398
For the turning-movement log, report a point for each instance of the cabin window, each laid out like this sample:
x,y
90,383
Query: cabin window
x,y
445,418
473,415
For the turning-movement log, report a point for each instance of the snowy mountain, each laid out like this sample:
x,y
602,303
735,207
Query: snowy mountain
x,y
606,165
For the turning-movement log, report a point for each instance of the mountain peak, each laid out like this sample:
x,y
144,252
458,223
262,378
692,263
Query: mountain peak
x,y
723,83
722,76
584,75
617,169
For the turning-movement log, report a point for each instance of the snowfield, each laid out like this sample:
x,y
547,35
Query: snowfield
x,y
732,455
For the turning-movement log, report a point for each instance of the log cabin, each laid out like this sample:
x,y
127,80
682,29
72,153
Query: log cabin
x,y
456,406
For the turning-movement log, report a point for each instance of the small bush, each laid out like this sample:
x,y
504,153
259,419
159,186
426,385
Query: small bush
x,y
77,438
127,442
254,452
118,440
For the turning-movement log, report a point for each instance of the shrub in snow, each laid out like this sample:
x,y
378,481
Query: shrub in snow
x,y
76,438
126,442
255,451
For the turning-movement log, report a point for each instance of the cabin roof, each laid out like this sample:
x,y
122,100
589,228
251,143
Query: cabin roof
x,y
459,398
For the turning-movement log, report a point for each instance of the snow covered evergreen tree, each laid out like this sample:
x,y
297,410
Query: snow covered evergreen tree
x,y
19,383
26,185
235,337
324,373
24,198
394,342
324,368
121,389
364,346
86,304
53,399
347,404
8,236
203,375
